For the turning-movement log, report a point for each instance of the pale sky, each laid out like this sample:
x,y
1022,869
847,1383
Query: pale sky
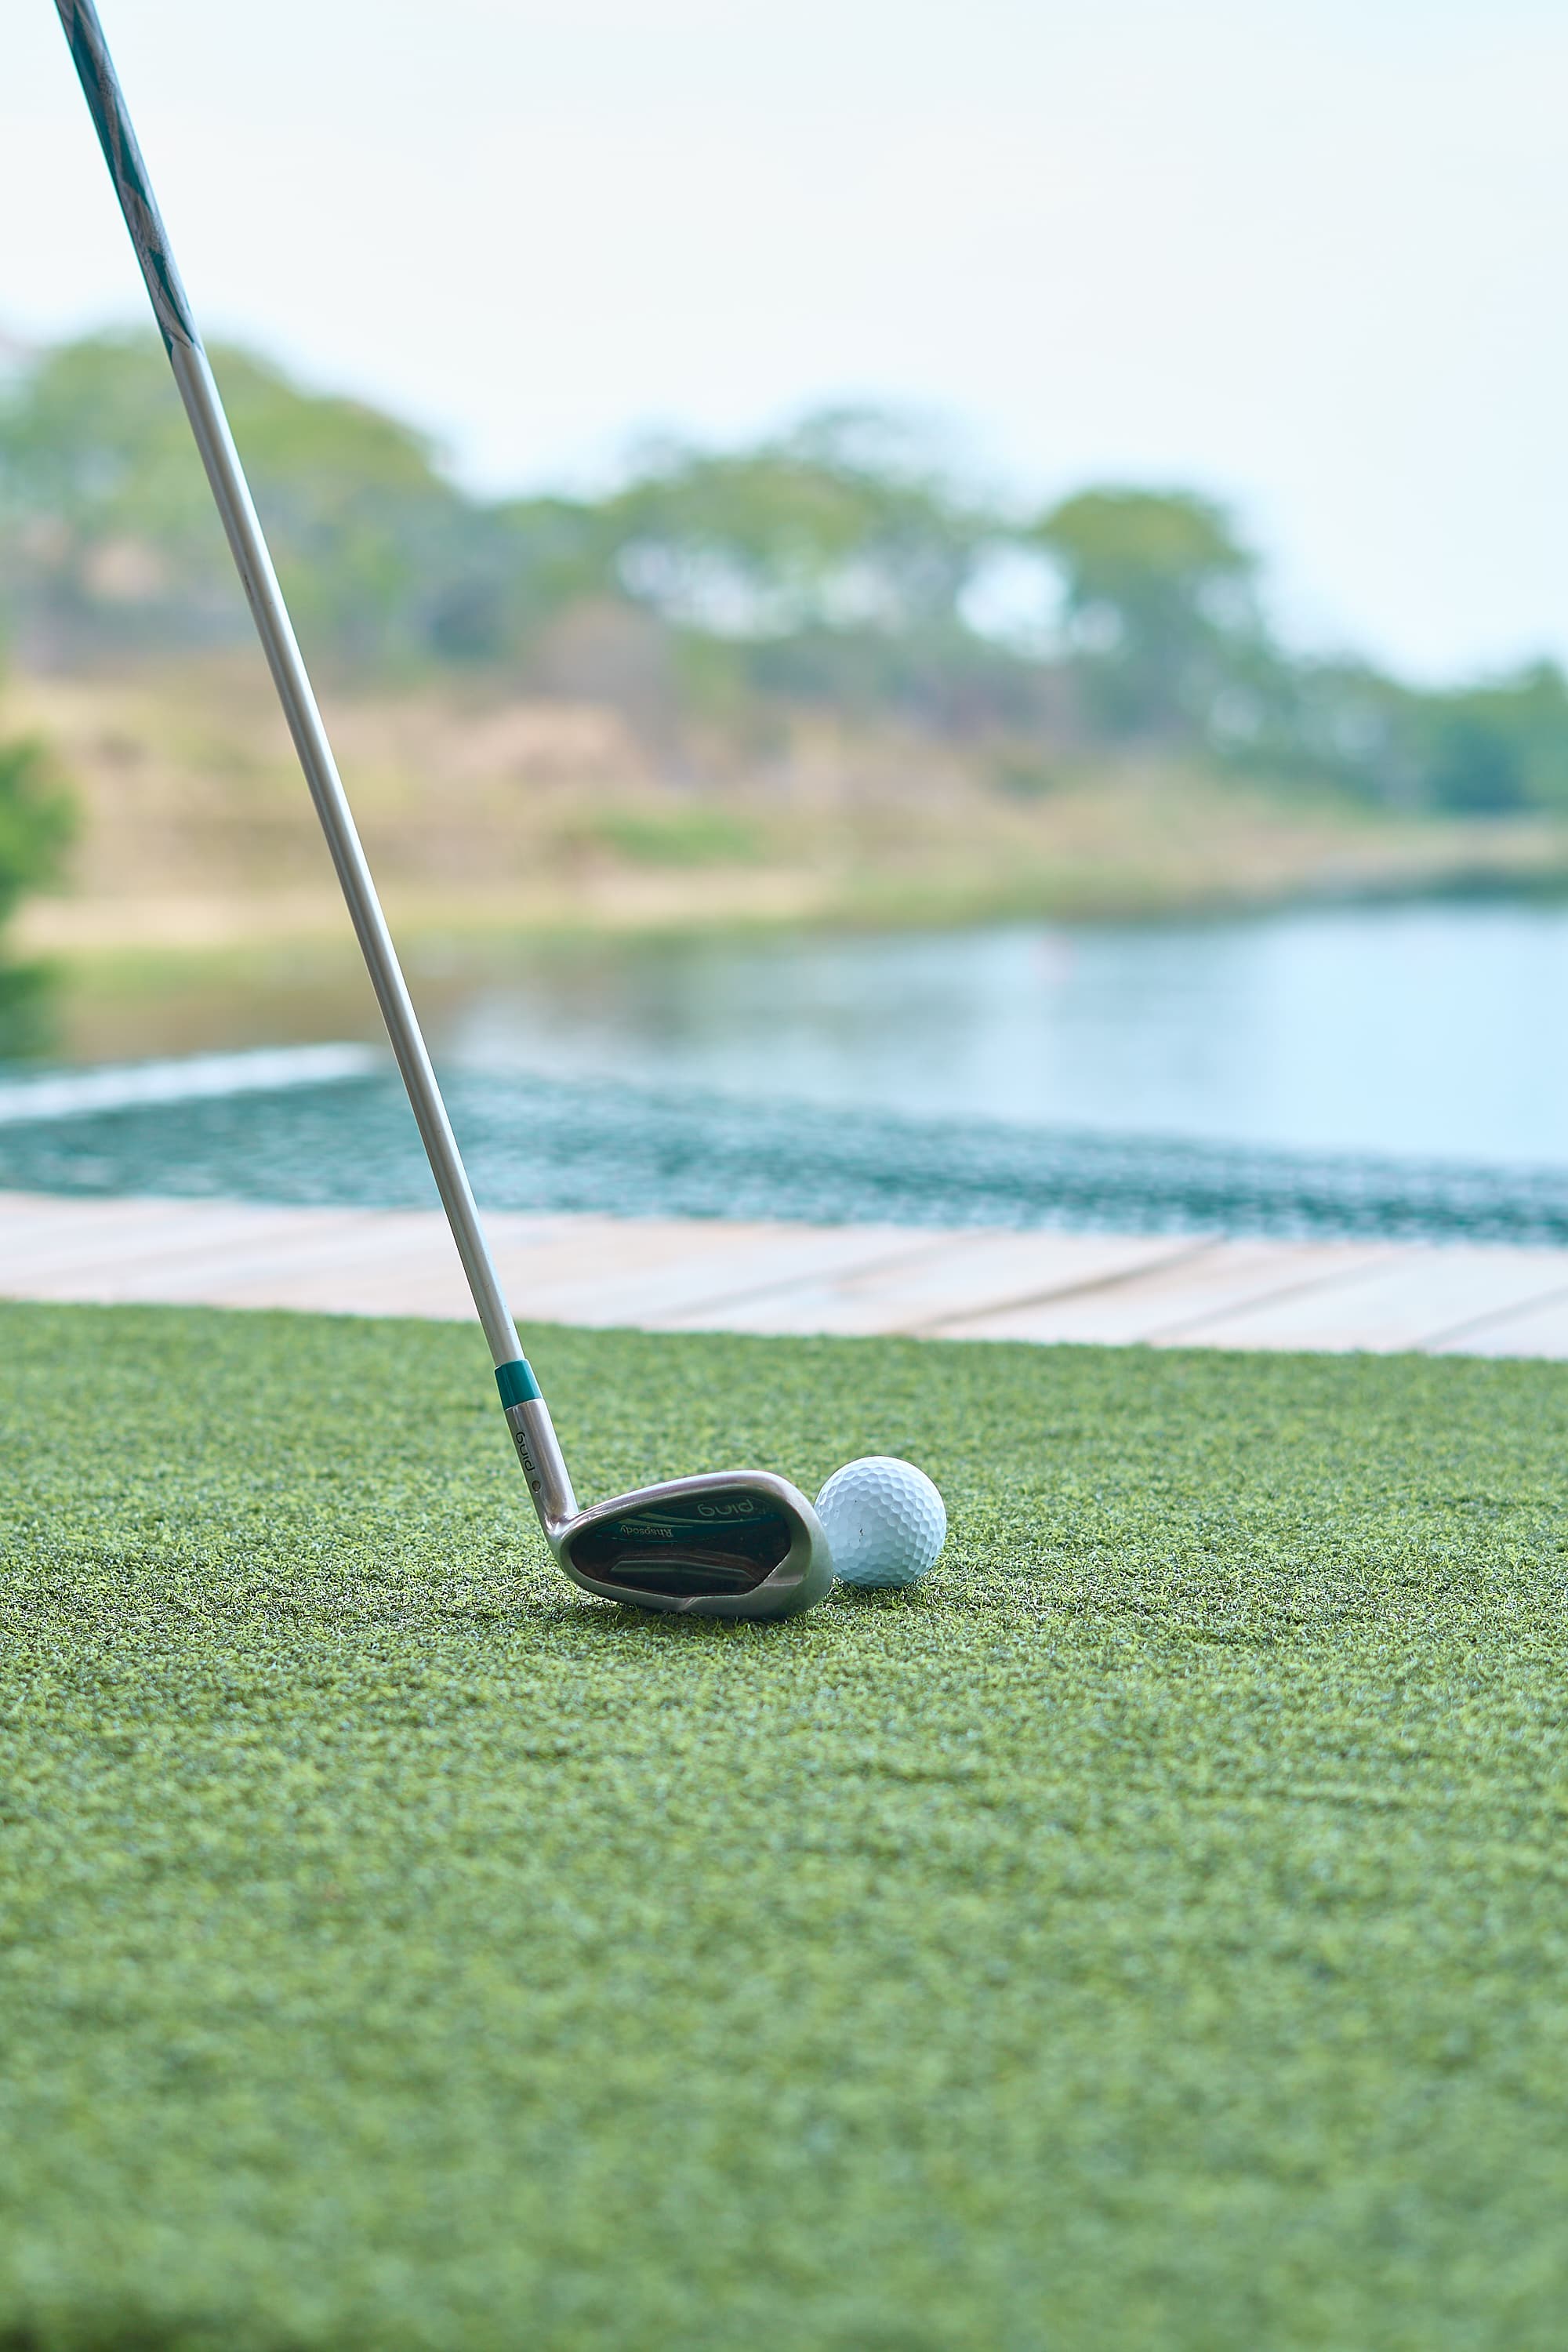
x,y
1308,255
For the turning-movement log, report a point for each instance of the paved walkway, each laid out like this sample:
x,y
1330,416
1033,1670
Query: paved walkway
x,y
665,1274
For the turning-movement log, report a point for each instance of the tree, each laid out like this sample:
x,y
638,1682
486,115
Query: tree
x,y
834,525
108,536
1490,749
1160,610
831,560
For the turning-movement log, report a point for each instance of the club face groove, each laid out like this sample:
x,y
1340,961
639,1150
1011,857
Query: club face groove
x,y
728,1543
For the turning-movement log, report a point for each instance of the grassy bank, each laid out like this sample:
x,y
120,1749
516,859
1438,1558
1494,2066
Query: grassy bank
x,y
1150,1933
483,812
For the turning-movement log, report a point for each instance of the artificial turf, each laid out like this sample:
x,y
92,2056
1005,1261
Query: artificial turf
x,y
1152,1932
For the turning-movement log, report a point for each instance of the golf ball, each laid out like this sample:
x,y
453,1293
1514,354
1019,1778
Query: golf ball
x,y
884,1519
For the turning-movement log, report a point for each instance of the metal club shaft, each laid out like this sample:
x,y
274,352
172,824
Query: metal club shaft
x,y
209,424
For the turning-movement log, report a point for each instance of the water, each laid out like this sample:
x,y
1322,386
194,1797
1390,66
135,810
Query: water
x,y
1433,1032
1389,1070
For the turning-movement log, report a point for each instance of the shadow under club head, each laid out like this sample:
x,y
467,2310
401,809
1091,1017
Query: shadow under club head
x,y
727,1543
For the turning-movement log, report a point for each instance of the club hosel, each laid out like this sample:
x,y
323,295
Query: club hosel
x,y
537,1447
539,1451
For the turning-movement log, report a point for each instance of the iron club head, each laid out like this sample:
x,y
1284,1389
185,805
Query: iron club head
x,y
727,1543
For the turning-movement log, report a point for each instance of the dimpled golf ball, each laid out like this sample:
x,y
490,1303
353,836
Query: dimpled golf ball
x,y
885,1521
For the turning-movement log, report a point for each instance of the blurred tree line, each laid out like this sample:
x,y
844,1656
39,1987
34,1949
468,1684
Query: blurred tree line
x,y
839,565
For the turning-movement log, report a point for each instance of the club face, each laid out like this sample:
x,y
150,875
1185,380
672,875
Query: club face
x,y
729,1543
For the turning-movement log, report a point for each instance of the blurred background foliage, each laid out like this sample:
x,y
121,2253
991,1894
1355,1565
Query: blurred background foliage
x,y
37,819
843,565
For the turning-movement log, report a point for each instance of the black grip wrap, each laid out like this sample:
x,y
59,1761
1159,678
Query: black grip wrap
x,y
100,86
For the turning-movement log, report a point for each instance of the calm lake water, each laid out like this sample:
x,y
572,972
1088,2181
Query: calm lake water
x,y
1427,1031
1378,1069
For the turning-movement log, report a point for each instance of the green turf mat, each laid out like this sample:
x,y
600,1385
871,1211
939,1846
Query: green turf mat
x,y
1152,1933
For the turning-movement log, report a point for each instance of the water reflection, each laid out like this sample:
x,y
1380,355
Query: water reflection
x,y
1434,1031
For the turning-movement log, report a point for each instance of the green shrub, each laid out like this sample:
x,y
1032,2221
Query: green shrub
x,y
37,820
680,837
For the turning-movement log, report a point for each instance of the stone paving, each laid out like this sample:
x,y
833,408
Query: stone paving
x,y
665,1274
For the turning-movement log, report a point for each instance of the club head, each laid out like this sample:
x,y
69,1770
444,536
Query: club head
x,y
728,1543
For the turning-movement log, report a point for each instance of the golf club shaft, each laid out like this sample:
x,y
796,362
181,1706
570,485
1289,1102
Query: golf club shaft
x,y
208,423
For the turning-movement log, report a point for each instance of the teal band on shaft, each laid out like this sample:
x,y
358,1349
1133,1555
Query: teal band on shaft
x,y
517,1383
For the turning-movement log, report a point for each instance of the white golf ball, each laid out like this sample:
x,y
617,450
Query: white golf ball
x,y
884,1519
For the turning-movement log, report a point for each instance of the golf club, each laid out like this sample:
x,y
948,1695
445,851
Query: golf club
x,y
726,1543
